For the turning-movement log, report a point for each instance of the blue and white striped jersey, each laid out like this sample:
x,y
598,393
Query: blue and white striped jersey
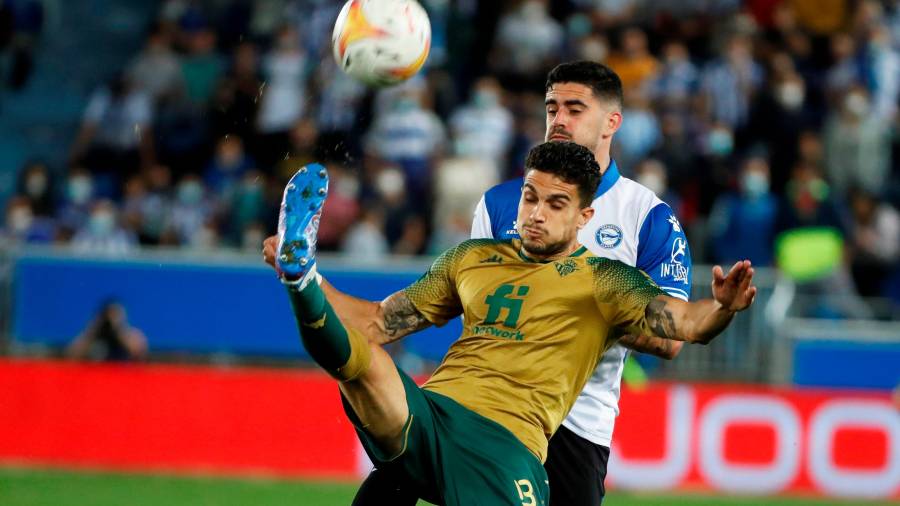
x,y
630,224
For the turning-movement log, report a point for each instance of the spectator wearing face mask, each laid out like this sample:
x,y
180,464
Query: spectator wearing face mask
x,y
483,127
77,201
875,241
190,213
21,226
103,234
742,223
35,184
857,145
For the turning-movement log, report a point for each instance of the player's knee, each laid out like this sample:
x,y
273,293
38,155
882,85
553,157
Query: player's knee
x,y
360,358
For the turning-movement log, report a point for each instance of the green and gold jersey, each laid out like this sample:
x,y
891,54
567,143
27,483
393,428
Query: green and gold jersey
x,y
532,332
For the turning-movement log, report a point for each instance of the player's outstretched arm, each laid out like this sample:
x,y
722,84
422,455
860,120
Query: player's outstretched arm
x,y
703,320
383,322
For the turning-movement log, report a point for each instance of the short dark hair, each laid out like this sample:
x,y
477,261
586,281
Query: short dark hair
x,y
602,80
573,163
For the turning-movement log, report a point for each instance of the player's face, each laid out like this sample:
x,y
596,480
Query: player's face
x,y
575,114
550,215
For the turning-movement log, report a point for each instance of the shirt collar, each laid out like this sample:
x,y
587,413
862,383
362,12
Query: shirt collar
x,y
609,179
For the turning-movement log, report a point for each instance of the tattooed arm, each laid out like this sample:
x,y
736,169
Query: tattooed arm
x,y
383,322
652,345
703,320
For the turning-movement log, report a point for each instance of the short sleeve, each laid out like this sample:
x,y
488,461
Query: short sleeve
x,y
435,294
481,222
663,252
622,293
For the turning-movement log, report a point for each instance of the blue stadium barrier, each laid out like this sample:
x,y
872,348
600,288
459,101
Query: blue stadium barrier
x,y
847,364
188,306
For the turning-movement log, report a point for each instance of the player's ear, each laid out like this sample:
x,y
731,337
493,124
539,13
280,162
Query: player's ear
x,y
586,214
613,121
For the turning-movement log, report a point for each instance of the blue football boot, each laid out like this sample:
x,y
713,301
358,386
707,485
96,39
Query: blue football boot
x,y
298,222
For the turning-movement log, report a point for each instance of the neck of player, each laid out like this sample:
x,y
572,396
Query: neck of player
x,y
572,248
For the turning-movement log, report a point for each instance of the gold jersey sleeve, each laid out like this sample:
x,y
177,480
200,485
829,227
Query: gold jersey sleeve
x,y
435,294
533,332
622,293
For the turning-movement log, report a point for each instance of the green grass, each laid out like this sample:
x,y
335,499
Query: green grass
x,y
38,487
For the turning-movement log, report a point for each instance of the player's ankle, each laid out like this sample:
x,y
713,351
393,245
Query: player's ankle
x,y
298,284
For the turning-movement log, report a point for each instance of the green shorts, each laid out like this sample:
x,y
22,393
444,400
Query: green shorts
x,y
455,456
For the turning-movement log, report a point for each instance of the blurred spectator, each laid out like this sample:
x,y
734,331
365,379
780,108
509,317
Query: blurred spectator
x,y
191,213
156,69
147,202
875,242
104,234
77,202
338,107
731,81
857,145
21,226
284,96
303,139
652,174
245,208
411,136
640,131
21,22
229,164
115,137
742,224
483,127
883,71
201,67
340,209
845,69
528,40
36,184
236,99
633,62
365,240
676,81
109,336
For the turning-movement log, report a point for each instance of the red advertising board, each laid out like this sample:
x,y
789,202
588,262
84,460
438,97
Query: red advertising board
x,y
734,439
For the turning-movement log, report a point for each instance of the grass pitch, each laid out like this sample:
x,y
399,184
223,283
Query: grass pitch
x,y
40,487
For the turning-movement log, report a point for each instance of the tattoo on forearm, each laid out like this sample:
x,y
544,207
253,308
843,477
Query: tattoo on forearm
x,y
660,319
401,317
658,346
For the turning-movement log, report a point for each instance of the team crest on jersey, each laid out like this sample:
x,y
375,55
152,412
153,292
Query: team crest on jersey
x,y
676,226
566,267
609,236
676,269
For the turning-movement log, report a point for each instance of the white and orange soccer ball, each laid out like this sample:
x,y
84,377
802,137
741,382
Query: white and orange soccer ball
x,y
381,42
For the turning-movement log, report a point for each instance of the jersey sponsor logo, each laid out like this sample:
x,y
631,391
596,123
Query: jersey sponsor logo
x,y
609,236
505,299
676,269
566,267
495,259
676,226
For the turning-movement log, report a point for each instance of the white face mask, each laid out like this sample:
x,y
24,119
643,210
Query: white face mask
x,y
20,220
80,189
36,184
593,50
791,95
102,222
653,181
857,104
390,183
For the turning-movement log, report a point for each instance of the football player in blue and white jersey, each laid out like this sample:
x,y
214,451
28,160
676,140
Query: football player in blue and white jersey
x,y
584,104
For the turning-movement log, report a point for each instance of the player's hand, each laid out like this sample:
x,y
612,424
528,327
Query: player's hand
x,y
270,246
735,292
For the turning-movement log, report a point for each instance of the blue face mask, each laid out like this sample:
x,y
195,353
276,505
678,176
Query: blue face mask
x,y
755,185
80,189
720,142
102,223
190,192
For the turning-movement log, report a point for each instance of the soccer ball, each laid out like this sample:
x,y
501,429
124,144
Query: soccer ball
x,y
381,42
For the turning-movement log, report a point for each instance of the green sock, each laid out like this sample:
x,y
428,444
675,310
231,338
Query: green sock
x,y
322,333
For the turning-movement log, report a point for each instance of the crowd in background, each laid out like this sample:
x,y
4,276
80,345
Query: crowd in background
x,y
751,118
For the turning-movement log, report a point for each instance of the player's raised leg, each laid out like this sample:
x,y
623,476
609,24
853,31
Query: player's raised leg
x,y
368,378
